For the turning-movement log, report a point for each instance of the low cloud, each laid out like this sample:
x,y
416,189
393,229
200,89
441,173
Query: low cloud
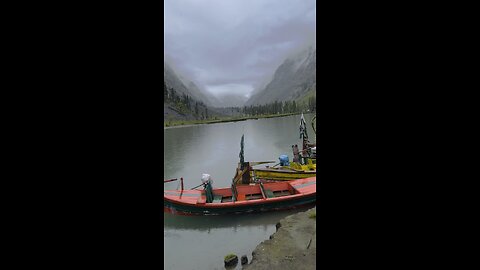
x,y
226,89
232,46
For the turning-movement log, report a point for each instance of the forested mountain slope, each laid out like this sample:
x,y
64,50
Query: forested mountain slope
x,y
294,79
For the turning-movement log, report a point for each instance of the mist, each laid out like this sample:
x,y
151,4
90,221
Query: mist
x,y
233,47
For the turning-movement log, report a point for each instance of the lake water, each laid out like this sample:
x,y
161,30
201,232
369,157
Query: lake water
x,y
201,242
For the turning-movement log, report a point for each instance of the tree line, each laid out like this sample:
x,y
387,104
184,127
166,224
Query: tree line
x,y
279,107
184,103
199,110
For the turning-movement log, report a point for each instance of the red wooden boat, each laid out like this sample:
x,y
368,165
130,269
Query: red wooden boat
x,y
244,198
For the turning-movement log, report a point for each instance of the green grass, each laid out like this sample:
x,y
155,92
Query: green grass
x,y
229,256
313,215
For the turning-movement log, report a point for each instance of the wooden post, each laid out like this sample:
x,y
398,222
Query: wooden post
x,y
181,180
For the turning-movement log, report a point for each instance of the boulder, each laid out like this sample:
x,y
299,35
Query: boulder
x,y
231,260
244,259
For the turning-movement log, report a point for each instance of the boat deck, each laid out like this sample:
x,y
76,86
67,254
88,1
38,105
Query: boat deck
x,y
245,193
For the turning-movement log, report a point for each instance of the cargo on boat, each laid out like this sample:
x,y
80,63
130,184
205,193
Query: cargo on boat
x,y
286,172
282,174
302,166
243,198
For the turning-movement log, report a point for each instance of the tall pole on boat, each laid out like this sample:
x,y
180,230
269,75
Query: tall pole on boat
x,y
242,158
240,168
314,122
303,128
304,137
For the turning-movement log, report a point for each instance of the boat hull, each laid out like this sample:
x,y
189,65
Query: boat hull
x,y
242,198
266,205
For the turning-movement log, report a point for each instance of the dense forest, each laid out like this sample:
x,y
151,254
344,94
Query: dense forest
x,y
281,107
186,105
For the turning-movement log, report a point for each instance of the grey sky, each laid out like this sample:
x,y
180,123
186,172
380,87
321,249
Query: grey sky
x,y
234,45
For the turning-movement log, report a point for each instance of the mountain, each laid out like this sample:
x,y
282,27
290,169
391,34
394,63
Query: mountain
x,y
231,100
196,105
294,79
203,95
185,86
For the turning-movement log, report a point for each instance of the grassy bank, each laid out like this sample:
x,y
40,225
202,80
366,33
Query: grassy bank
x,y
172,123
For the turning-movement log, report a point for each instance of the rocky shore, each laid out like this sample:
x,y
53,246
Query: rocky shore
x,y
293,246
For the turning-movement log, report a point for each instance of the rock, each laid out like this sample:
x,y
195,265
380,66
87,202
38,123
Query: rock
x,y
278,225
244,259
231,260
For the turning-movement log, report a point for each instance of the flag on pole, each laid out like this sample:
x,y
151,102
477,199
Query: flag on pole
x,y
303,128
241,152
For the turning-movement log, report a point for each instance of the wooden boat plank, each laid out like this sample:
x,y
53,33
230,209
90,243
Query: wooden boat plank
x,y
202,200
187,196
305,185
241,197
269,193
277,186
217,198
282,193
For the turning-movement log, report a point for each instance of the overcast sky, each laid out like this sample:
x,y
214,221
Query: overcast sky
x,y
233,46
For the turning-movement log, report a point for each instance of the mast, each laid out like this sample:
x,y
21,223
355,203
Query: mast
x,y
304,137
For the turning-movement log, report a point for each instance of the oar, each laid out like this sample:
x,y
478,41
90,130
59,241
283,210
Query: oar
x,y
197,186
170,180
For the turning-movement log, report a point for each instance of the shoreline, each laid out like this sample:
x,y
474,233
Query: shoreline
x,y
186,123
292,246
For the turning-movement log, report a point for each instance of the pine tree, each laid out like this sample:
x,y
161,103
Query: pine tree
x,y
172,95
165,91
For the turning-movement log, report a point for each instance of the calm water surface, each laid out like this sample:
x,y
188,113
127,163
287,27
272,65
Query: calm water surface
x,y
201,242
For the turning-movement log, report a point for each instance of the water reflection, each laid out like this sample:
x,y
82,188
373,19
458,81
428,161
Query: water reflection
x,y
214,149
205,223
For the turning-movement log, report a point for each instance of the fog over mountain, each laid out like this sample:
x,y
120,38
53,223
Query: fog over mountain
x,y
184,86
232,49
294,79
